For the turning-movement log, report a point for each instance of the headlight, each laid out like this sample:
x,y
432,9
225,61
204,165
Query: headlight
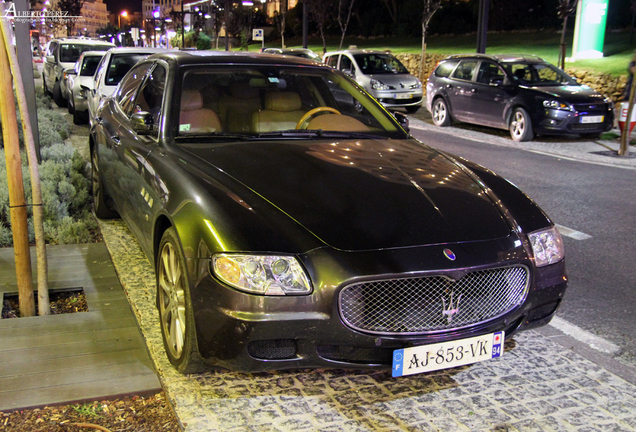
x,y
262,274
378,85
555,104
547,246
417,85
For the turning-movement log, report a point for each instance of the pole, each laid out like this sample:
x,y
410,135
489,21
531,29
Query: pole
x,y
482,26
36,190
305,22
182,27
624,148
17,201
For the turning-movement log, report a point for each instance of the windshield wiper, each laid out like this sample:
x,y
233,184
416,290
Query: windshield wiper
x,y
315,133
214,136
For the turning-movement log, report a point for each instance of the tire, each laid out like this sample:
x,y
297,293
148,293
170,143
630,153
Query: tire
x,y
521,125
45,89
99,202
57,95
176,317
79,117
70,106
441,114
412,109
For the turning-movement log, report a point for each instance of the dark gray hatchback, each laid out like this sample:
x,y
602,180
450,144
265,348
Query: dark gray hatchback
x,y
521,93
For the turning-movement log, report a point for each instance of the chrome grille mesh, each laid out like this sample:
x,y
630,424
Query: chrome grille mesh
x,y
424,304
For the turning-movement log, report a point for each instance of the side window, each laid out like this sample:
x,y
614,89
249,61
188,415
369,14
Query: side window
x,y
150,96
125,94
345,64
100,69
465,70
490,73
332,61
445,68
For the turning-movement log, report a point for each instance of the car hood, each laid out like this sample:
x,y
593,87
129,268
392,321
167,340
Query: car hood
x,y
572,94
362,194
406,80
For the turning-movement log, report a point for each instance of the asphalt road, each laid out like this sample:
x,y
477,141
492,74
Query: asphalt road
x,y
595,200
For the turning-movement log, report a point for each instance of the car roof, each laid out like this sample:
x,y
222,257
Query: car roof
x,y
93,53
136,50
83,41
182,58
359,51
502,58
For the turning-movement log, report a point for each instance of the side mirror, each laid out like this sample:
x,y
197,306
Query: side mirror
x,y
507,81
143,123
403,120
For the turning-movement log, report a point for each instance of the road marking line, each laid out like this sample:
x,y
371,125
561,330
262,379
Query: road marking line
x,y
569,232
586,337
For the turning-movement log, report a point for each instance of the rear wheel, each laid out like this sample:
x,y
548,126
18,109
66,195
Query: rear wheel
x,y
521,125
57,95
71,107
99,202
441,116
176,317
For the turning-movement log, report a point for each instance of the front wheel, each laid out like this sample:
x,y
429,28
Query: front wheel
x,y
441,116
176,317
521,125
57,95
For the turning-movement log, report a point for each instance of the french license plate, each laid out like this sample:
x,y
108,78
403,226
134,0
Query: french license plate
x,y
403,96
444,355
592,119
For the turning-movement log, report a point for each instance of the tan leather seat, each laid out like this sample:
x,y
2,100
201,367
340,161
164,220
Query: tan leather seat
x,y
194,118
237,107
335,122
282,112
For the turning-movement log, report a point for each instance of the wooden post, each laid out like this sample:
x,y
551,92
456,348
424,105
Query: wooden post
x,y
32,155
17,201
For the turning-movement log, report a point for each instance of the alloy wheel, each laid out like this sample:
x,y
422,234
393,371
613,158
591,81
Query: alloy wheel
x,y
172,305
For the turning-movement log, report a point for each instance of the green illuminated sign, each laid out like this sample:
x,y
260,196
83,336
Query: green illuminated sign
x,y
589,30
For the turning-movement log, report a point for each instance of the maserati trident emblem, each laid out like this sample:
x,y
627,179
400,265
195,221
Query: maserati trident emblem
x,y
450,254
452,308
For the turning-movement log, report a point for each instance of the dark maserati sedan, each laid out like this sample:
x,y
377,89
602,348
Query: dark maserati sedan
x,y
294,222
521,93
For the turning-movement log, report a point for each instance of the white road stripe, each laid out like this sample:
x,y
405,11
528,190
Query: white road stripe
x,y
569,232
586,337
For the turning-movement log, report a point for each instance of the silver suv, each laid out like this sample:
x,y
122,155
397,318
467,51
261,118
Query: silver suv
x,y
61,54
382,75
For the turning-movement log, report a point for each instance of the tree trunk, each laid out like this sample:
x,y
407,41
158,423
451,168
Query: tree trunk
x,y
17,202
36,190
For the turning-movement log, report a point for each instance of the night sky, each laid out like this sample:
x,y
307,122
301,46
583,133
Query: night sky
x,y
115,6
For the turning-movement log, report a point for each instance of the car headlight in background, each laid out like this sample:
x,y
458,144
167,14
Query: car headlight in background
x,y
417,85
379,85
555,104
262,274
547,246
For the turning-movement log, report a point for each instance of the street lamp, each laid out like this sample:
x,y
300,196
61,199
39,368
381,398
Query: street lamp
x,y
122,14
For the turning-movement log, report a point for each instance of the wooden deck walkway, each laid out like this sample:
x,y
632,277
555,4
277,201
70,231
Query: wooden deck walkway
x,y
56,359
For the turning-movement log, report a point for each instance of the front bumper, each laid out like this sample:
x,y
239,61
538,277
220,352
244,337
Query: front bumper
x,y
398,99
244,332
593,121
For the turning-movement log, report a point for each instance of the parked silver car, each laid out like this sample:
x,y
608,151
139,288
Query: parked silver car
x,y
79,82
61,54
114,65
382,75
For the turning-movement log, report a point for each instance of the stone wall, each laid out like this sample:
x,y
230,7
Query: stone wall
x,y
606,84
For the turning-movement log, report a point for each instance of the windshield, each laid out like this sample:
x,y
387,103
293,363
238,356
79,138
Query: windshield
x,y
372,64
70,53
119,65
539,74
254,102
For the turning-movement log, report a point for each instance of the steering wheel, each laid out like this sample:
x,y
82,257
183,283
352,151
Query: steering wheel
x,y
312,113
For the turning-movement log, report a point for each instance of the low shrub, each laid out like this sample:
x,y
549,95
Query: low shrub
x,y
65,182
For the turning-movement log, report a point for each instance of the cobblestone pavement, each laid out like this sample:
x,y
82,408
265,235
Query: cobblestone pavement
x,y
538,384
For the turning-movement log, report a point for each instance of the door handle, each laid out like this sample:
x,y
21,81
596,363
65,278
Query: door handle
x,y
474,91
116,140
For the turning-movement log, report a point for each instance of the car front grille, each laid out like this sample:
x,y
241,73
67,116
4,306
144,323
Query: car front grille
x,y
431,304
598,107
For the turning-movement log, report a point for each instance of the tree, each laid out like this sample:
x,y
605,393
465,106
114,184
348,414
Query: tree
x,y
320,12
70,8
342,9
279,17
430,7
564,10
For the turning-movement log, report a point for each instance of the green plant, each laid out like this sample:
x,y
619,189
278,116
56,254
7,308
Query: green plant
x,y
89,409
